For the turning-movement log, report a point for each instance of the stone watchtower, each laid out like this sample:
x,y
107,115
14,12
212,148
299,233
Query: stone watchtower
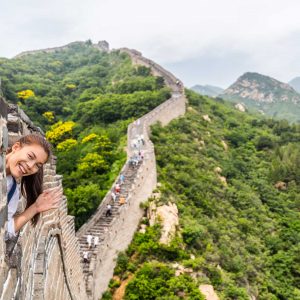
x,y
103,45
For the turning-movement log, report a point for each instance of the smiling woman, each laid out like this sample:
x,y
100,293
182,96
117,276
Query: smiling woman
x,y
24,170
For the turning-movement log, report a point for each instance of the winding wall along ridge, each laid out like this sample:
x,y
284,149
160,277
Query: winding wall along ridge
x,y
125,219
46,261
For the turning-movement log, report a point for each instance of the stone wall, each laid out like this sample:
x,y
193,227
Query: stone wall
x,y
44,262
4,271
173,82
122,229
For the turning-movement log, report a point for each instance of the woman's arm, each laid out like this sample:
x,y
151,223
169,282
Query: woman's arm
x,y
49,199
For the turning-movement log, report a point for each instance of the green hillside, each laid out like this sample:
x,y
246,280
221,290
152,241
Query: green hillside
x,y
265,94
84,99
244,234
241,235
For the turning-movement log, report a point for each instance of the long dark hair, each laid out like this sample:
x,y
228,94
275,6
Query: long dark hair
x,y
32,185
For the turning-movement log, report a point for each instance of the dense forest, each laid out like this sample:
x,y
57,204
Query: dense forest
x,y
84,100
236,182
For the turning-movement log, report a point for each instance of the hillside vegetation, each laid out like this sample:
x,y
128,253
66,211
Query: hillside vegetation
x,y
237,231
265,94
84,99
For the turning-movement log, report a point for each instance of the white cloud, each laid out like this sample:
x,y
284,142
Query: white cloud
x,y
263,32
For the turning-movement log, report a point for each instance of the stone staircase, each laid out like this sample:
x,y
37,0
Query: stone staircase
x,y
116,231
102,225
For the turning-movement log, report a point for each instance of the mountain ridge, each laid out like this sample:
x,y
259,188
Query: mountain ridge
x,y
270,96
295,83
208,90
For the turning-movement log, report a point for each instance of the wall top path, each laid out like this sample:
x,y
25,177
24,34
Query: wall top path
x,y
143,182
177,89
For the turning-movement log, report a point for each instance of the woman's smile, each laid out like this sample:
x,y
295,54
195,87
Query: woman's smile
x,y
26,160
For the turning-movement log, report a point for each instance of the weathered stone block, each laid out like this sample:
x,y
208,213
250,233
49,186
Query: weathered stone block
x,y
3,215
3,188
4,139
1,164
14,127
3,108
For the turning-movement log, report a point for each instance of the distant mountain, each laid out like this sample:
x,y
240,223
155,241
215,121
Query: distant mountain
x,y
208,90
295,83
266,94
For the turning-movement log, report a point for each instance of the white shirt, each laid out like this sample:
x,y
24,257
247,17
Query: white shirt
x,y
96,240
89,239
12,207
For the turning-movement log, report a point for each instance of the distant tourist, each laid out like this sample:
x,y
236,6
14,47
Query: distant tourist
x,y
96,241
122,178
85,257
141,155
89,239
108,210
122,200
117,188
113,196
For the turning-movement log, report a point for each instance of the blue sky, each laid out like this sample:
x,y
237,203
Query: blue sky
x,y
201,42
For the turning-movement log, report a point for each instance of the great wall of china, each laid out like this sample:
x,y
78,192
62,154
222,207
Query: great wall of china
x,y
45,262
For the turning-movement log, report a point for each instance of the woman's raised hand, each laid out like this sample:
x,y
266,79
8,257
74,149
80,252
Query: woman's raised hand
x,y
49,199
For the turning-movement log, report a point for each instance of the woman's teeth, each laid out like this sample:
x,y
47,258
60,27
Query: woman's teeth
x,y
22,169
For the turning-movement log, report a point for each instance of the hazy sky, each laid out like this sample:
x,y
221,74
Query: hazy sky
x,y
200,41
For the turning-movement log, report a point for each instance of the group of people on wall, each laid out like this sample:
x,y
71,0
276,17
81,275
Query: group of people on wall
x,y
117,197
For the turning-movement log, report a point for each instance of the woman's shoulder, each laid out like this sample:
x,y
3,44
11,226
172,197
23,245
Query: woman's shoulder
x,y
10,180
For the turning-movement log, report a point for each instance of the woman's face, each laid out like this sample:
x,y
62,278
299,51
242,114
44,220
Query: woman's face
x,y
26,160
